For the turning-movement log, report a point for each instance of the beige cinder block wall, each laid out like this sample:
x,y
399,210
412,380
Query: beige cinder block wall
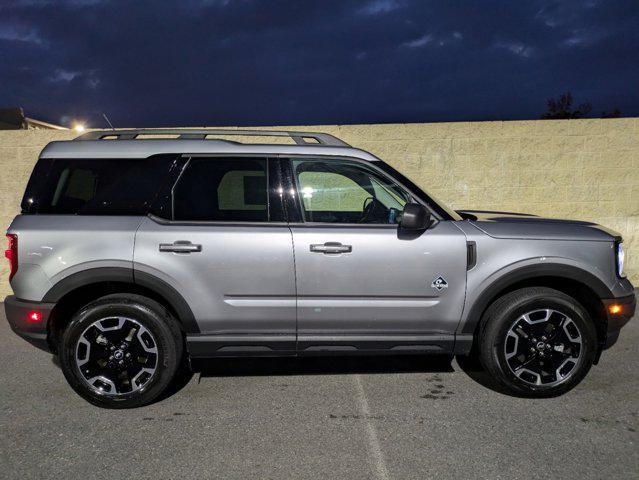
x,y
582,169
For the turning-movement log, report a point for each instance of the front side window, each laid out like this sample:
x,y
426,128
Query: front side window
x,y
228,190
343,191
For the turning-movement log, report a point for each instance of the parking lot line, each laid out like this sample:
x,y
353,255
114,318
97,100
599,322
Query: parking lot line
x,y
375,449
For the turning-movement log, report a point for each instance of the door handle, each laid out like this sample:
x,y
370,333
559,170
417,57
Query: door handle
x,y
181,246
331,247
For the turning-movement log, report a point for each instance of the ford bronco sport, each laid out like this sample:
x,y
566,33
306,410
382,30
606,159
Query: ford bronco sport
x,y
131,255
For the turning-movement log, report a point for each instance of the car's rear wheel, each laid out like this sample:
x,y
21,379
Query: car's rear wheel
x,y
121,351
537,342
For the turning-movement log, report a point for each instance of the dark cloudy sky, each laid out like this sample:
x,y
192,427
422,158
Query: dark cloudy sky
x,y
251,62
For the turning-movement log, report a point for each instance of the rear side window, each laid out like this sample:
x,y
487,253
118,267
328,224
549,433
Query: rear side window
x,y
97,186
229,190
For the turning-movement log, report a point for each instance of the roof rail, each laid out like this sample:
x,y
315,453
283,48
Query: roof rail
x,y
300,138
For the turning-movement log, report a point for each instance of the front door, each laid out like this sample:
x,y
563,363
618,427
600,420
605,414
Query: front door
x,y
226,249
362,283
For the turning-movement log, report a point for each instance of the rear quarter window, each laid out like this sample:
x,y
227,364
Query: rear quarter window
x,y
95,186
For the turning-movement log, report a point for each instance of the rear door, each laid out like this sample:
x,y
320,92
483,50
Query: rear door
x,y
362,283
225,248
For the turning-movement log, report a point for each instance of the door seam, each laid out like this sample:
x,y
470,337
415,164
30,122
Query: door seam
x,y
296,293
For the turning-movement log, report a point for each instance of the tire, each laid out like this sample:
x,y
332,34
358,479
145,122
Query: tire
x,y
537,342
121,351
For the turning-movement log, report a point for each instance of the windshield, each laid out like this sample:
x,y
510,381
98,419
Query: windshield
x,y
441,208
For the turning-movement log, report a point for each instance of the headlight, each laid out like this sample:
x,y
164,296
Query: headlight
x,y
620,259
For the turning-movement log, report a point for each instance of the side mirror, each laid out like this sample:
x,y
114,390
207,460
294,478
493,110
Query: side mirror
x,y
415,217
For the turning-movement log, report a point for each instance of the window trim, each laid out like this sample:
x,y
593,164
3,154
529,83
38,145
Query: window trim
x,y
177,180
297,203
219,223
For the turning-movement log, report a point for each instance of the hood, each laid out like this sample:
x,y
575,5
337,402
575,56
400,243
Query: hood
x,y
526,226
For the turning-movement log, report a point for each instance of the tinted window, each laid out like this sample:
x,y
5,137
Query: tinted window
x,y
336,191
227,190
99,187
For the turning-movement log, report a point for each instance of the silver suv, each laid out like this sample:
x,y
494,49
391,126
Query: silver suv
x,y
133,255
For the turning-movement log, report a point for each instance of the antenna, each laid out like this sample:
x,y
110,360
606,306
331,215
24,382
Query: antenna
x,y
108,121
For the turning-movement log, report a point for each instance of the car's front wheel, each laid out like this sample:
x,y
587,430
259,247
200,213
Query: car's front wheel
x,y
121,351
537,342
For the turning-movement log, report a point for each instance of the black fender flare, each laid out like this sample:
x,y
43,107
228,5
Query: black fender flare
x,y
529,272
128,276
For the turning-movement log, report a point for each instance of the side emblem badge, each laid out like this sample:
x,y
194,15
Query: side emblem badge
x,y
439,284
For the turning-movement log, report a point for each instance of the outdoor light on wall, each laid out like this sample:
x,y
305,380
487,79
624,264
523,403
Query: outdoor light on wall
x,y
78,127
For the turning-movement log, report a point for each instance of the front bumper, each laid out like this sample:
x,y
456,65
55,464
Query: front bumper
x,y
19,315
622,313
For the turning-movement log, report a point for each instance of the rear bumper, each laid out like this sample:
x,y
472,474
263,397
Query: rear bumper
x,y
19,313
626,310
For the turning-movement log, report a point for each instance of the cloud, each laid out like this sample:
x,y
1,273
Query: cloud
x,y
18,34
73,3
87,78
516,48
419,42
576,41
217,3
379,6
63,76
584,38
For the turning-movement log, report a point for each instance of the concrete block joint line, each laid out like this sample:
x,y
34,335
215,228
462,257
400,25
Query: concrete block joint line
x,y
579,169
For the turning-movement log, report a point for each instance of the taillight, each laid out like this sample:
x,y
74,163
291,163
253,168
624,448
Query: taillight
x,y
12,253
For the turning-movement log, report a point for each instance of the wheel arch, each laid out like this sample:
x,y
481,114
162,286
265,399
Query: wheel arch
x,y
580,284
70,293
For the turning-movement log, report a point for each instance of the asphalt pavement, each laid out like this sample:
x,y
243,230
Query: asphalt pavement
x,y
322,418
